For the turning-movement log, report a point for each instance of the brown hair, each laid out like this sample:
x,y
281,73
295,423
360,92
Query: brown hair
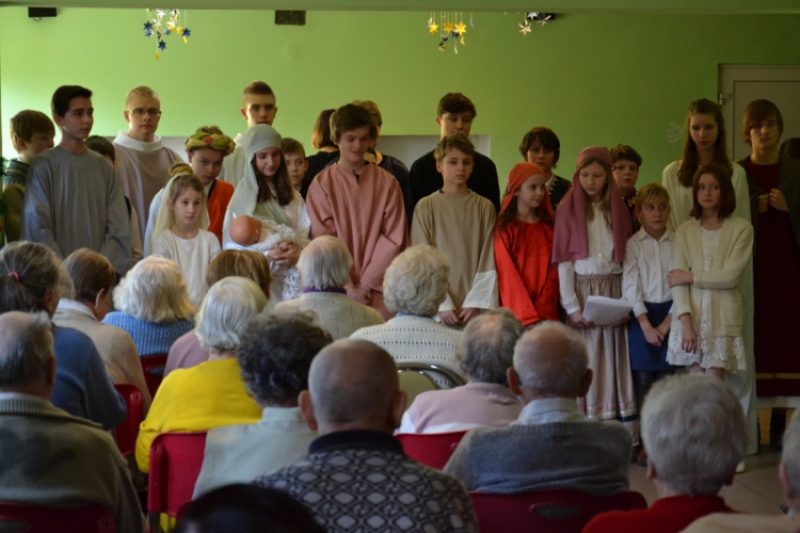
x,y
321,135
690,159
605,202
27,271
59,104
292,146
372,107
25,124
256,87
284,190
455,103
183,182
757,112
350,117
142,91
457,141
102,146
624,152
244,263
791,148
727,196
90,272
509,215
546,137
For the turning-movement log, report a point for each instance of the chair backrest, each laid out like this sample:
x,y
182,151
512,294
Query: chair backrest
x,y
128,430
551,510
440,373
31,519
175,462
413,384
431,449
153,367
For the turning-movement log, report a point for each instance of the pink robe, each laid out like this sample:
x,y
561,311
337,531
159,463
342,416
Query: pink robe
x,y
368,215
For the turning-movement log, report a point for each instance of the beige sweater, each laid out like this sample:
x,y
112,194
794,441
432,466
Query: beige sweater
x,y
733,253
116,347
337,313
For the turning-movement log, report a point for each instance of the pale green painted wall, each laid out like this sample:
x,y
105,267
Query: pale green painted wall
x,y
595,79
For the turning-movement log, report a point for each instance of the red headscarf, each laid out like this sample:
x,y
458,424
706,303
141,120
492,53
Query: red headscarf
x,y
519,175
570,240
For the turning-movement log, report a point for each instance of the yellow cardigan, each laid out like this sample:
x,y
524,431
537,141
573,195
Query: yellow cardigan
x,y
722,281
206,396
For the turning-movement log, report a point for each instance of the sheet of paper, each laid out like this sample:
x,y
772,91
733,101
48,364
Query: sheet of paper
x,y
603,310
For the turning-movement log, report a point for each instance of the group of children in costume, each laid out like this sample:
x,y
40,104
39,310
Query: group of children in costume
x,y
678,252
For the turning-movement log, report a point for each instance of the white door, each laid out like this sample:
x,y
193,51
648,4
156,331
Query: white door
x,y
741,84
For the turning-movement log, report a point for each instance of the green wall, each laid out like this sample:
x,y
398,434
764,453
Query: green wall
x,y
595,79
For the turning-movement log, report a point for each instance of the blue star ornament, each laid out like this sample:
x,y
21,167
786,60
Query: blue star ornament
x,y
187,32
162,45
148,29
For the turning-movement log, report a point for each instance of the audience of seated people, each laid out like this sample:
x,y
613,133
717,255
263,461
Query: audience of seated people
x,y
356,476
87,280
212,393
275,353
324,267
485,400
49,457
552,444
154,307
414,286
187,351
694,431
29,282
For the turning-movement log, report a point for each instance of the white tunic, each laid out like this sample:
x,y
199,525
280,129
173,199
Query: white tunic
x,y
192,257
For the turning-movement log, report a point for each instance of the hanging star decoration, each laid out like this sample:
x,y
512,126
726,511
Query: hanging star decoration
x,y
532,15
164,24
544,18
451,28
525,28
448,27
433,28
461,28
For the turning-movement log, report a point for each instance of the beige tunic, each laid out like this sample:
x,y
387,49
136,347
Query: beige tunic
x,y
462,227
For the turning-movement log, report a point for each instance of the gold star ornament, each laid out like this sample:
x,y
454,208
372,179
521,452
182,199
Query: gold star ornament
x,y
524,29
461,28
433,28
448,27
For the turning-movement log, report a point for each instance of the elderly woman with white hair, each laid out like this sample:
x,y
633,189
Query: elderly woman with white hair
x,y
694,430
324,267
212,393
486,400
414,286
154,307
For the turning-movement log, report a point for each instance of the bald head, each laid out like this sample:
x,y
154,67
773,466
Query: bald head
x,y
551,360
26,348
353,384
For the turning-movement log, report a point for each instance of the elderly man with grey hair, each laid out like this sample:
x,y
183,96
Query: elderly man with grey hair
x,y
50,458
695,433
324,267
789,475
414,286
212,393
485,400
552,444
275,355
356,476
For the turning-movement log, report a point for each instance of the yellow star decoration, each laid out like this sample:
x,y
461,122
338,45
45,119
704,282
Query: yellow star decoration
x,y
433,28
448,27
524,29
158,55
462,41
461,28
179,30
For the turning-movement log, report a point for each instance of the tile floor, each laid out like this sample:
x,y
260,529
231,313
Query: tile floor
x,y
756,491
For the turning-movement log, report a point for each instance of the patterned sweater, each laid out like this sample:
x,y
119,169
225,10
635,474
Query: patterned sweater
x,y
362,481
150,337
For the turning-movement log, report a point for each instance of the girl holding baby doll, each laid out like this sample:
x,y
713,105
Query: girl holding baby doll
x,y
265,193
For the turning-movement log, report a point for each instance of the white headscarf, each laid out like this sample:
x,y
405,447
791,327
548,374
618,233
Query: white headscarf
x,y
166,218
245,198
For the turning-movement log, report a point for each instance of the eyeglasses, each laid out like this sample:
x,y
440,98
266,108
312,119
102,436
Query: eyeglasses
x,y
143,112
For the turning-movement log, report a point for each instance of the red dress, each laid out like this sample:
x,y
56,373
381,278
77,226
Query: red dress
x,y
219,196
776,288
528,281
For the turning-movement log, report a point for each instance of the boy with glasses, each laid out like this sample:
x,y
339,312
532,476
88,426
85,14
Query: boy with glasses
x,y
142,159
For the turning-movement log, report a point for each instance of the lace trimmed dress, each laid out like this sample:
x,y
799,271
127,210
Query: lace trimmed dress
x,y
712,352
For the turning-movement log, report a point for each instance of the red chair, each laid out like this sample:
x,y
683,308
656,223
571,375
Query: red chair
x,y
153,367
431,449
89,519
175,462
128,430
550,510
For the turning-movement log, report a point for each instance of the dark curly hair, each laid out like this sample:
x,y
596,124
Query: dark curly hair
x,y
275,355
